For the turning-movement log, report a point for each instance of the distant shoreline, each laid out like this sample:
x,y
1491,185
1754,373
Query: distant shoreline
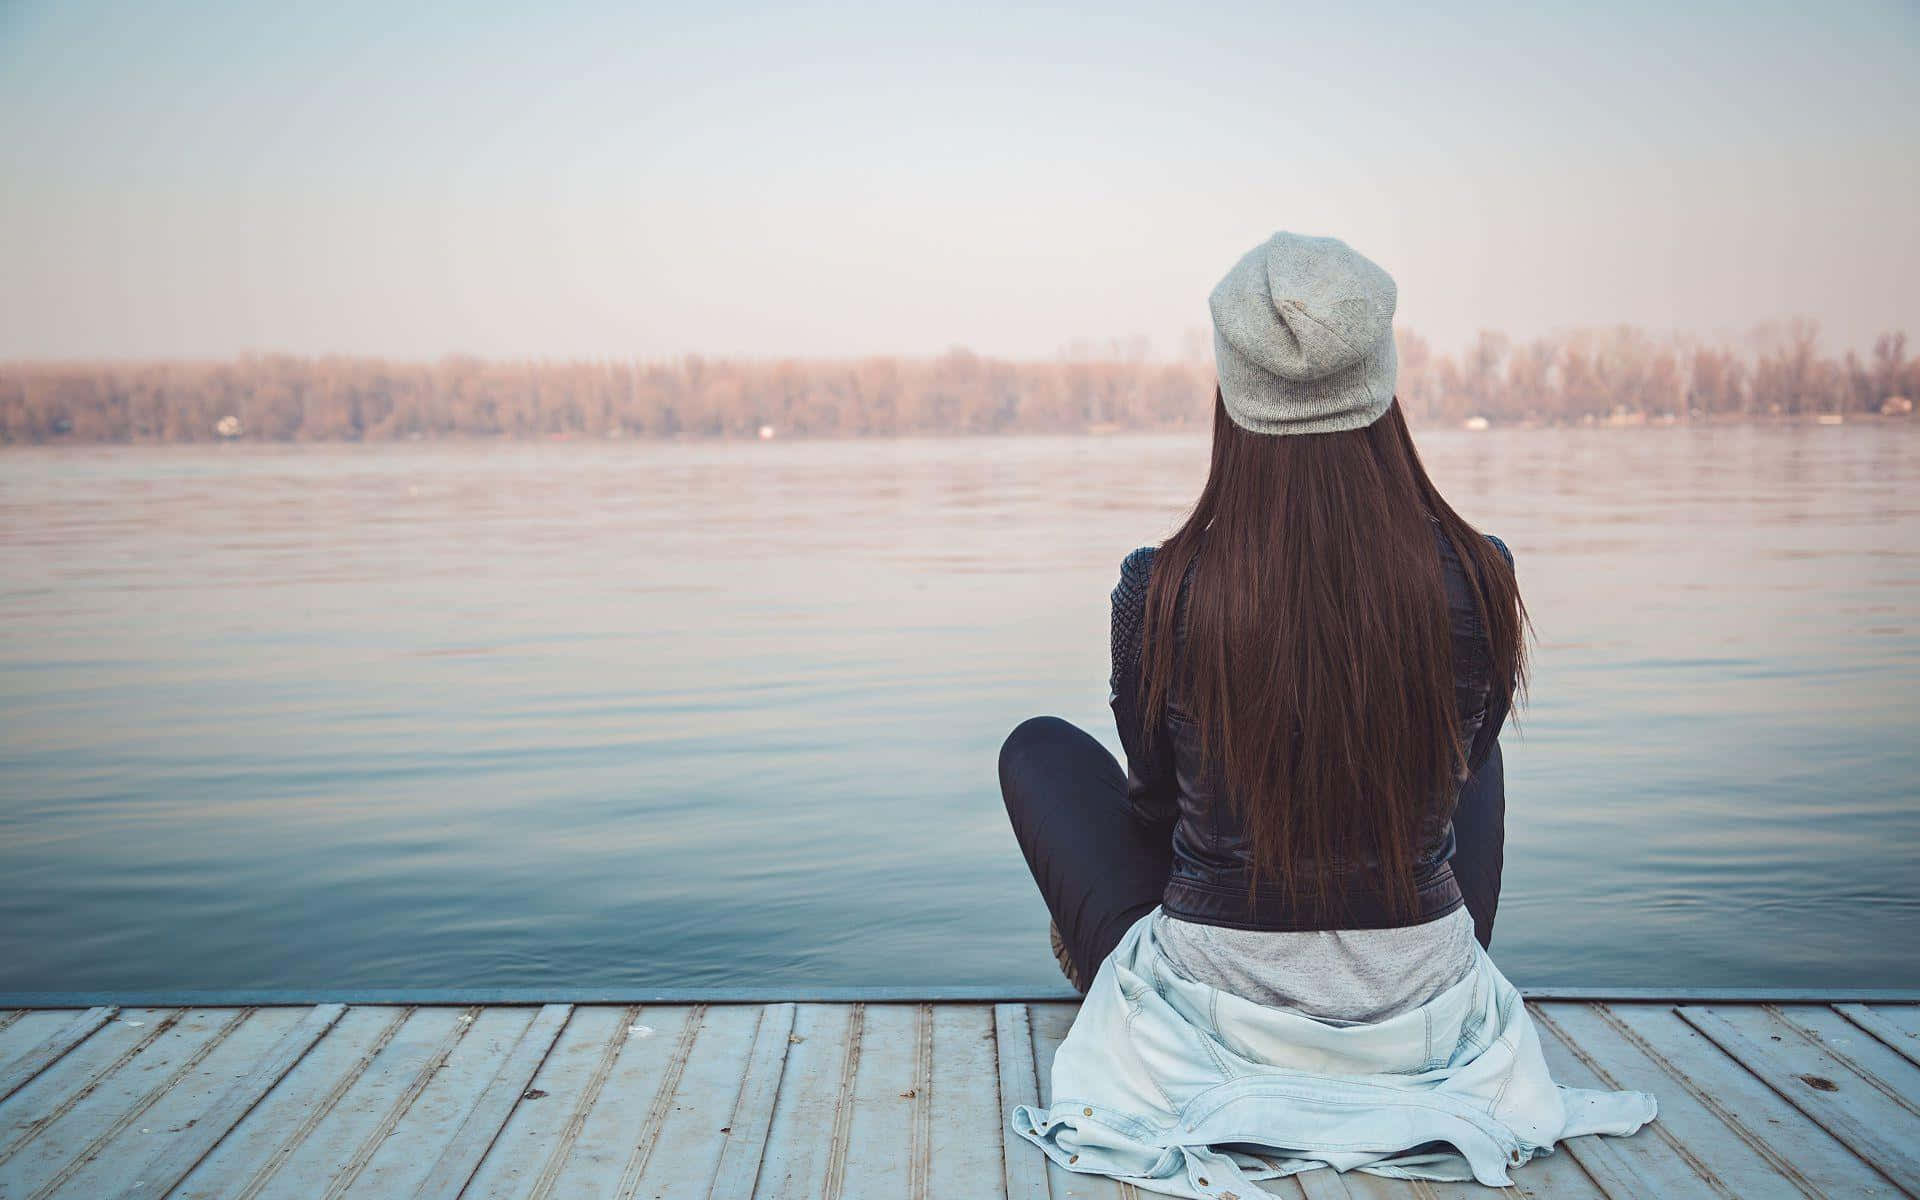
x,y
1640,422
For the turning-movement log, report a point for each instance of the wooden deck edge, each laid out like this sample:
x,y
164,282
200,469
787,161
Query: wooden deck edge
x,y
535,997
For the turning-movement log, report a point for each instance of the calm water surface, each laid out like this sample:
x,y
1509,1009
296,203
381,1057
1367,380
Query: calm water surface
x,y
584,715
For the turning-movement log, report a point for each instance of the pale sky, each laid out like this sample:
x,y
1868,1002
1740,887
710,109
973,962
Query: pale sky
x,y
614,179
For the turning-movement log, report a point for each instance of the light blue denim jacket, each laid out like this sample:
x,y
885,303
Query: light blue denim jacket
x,y
1178,1087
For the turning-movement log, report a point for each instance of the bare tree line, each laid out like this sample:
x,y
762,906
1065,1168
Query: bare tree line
x,y
1622,373
1618,375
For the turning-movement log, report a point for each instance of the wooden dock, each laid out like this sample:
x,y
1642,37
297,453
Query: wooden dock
x,y
1793,1097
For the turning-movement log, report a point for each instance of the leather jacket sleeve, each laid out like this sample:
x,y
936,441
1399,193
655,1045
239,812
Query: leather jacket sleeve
x,y
1152,793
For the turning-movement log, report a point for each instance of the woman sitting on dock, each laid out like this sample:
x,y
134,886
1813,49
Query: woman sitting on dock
x,y
1278,911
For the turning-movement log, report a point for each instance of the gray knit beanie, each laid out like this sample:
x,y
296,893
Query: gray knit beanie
x,y
1303,337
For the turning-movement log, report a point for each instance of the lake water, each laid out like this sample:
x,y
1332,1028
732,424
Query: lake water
x,y
572,715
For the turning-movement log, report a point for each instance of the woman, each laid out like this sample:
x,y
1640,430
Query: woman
x,y
1278,911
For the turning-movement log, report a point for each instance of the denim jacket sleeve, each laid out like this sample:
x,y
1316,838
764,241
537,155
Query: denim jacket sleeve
x,y
1499,701
1152,793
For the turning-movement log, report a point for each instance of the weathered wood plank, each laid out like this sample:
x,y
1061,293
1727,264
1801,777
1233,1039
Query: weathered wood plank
x,y
36,1107
200,1134
692,1121
621,1123
807,1142
1904,1042
330,1159
965,1117
495,1103
99,1113
1651,1162
1810,1161
888,1139
1823,1088
240,1165
171,1108
1901,1016
401,1163
527,1158
1871,1058
1024,1167
1795,1035
1729,1158
111,1164
746,1129
26,1031
22,1069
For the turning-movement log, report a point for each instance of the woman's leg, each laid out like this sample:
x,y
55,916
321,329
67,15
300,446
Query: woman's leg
x,y
1098,868
1479,841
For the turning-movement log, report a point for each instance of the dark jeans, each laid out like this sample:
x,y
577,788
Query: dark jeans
x,y
1101,870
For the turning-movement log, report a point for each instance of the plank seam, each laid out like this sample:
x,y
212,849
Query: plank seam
x,y
88,1085
164,1170
92,1149
1819,1043
835,1181
583,1106
1882,1030
751,1120
920,1150
649,1134
369,1145
320,1112
1759,1145
1600,1160
1889,1159
480,1128
6,1022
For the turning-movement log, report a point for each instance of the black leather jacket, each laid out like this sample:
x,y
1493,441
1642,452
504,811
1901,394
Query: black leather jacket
x,y
1169,786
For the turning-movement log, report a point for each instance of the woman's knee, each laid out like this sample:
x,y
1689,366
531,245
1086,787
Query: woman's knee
x,y
1030,737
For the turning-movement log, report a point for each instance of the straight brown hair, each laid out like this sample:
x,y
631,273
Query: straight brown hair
x,y
1318,655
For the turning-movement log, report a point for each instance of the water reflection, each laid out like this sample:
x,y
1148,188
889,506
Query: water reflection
x,y
626,714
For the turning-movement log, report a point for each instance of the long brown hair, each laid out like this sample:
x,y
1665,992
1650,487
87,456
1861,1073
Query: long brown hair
x,y
1318,659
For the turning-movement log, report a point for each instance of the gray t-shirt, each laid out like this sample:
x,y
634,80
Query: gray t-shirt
x,y
1337,974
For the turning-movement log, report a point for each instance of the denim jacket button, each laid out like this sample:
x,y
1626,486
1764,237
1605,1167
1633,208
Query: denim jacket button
x,y
1086,1112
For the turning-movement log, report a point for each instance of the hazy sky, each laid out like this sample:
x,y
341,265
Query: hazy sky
x,y
647,179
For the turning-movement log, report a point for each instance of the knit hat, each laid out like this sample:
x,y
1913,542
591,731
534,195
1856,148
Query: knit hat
x,y
1303,337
